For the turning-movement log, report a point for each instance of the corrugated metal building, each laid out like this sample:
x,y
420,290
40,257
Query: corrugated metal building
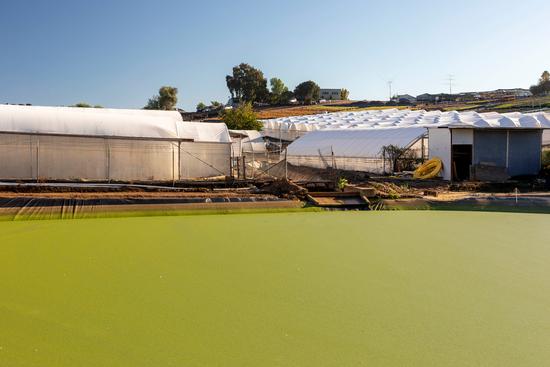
x,y
487,154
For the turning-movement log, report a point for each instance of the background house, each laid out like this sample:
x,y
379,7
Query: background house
x,y
330,94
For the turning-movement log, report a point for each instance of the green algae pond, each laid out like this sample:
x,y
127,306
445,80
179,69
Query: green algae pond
x,y
410,288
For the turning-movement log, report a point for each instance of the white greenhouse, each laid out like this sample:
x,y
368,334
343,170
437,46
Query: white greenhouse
x,y
93,144
247,142
355,140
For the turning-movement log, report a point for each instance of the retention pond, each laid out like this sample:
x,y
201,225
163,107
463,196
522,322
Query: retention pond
x,y
390,288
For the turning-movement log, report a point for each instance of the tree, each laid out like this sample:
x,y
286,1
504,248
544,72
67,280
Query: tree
x,y
286,97
344,94
81,105
400,158
241,118
216,104
200,107
247,84
543,87
152,104
165,100
85,105
545,77
307,92
278,89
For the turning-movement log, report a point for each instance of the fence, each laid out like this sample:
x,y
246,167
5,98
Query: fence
x,y
85,158
252,165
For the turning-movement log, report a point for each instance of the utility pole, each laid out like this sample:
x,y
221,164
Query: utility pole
x,y
450,79
390,82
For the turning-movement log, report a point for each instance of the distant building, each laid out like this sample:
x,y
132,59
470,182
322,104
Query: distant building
x,y
469,96
330,94
507,93
404,98
521,93
435,98
426,98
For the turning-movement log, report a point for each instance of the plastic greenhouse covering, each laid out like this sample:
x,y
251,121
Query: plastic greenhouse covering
x,y
92,144
251,141
354,140
356,150
290,128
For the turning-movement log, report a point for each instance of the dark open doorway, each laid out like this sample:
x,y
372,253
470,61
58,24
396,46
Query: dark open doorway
x,y
462,160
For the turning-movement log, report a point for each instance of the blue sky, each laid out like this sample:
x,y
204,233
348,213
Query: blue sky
x,y
118,53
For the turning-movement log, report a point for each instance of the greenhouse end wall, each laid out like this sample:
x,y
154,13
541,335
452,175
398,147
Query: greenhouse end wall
x,y
73,158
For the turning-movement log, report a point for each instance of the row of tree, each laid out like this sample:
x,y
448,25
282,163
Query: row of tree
x,y
543,86
248,84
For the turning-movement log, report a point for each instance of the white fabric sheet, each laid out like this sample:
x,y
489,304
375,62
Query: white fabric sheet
x,y
353,143
104,122
290,128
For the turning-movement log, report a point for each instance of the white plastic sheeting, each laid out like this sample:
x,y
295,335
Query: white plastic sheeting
x,y
357,150
62,143
247,141
104,122
290,128
359,143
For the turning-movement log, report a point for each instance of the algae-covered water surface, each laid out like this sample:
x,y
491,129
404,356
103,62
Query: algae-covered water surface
x,y
295,289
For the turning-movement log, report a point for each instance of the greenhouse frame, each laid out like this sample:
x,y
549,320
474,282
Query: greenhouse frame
x,y
94,144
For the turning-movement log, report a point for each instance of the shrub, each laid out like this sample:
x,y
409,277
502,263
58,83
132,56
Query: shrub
x,y
241,118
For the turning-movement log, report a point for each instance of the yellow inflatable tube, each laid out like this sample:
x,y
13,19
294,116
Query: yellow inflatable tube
x,y
428,170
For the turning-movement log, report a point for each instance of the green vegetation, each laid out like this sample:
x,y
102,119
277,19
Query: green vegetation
x,y
543,86
247,84
241,118
342,183
279,91
165,100
85,105
200,106
546,158
344,94
313,289
307,92
526,103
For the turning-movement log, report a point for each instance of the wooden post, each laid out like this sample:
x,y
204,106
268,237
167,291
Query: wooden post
x,y
384,159
286,166
253,164
173,162
108,143
179,160
422,155
37,159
